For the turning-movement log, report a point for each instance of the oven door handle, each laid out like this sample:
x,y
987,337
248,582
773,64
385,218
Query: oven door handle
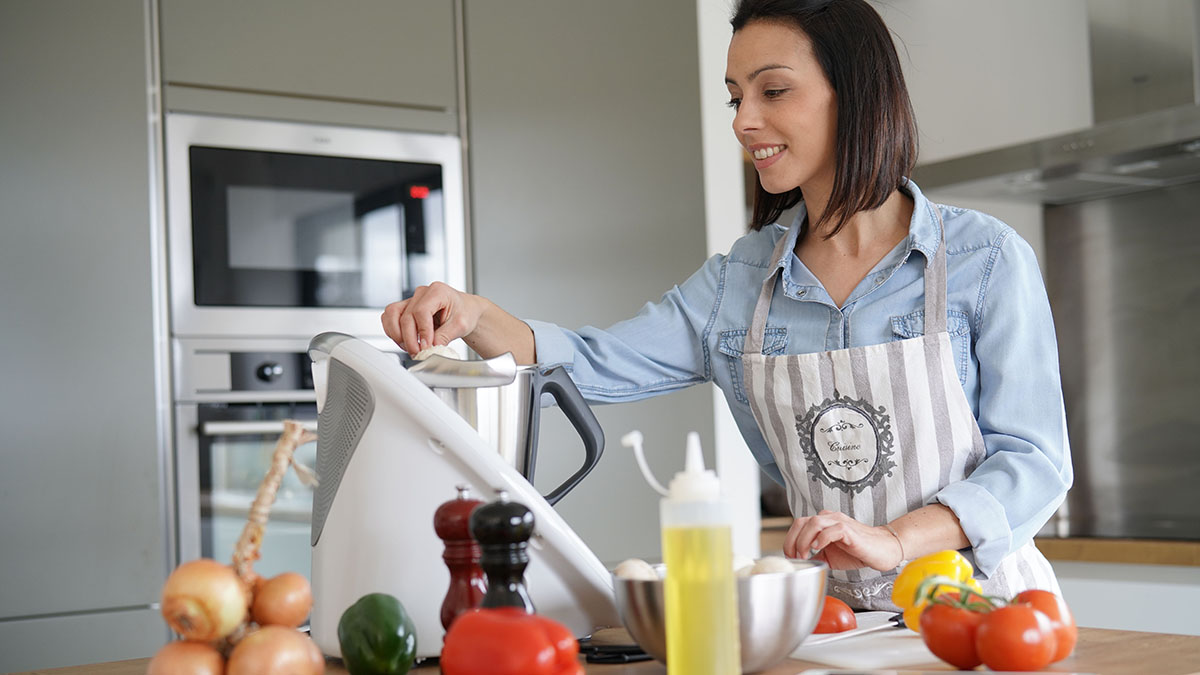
x,y
249,428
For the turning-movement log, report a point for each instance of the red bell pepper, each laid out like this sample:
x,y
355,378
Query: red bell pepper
x,y
509,641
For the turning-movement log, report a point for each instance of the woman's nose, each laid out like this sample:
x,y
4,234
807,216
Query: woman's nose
x,y
746,119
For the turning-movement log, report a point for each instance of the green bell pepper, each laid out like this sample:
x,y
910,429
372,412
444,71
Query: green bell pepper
x,y
377,636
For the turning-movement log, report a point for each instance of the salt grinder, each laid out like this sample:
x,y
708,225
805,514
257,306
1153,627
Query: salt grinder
x,y
503,529
451,521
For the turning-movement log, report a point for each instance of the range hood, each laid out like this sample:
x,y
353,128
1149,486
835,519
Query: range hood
x,y
1145,62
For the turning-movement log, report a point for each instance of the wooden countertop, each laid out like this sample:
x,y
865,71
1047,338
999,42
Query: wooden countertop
x,y
1107,652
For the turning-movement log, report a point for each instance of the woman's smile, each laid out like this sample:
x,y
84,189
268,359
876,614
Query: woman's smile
x,y
766,155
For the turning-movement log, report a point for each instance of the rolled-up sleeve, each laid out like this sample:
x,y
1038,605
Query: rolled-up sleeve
x,y
663,348
1027,469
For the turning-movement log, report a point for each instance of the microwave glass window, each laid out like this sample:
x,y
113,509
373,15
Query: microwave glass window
x,y
286,230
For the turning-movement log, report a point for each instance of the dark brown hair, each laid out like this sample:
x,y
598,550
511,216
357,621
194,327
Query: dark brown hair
x,y
876,141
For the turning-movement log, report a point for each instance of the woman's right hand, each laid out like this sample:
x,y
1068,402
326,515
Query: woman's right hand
x,y
435,315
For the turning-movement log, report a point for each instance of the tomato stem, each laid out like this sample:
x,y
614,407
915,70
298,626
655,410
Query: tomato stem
x,y
934,589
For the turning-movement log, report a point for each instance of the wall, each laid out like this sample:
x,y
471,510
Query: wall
x,y
984,75
587,202
725,221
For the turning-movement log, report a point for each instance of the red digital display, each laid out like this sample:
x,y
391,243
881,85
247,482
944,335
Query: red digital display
x,y
418,191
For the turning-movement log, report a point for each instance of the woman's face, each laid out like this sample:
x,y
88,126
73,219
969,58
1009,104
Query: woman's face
x,y
786,109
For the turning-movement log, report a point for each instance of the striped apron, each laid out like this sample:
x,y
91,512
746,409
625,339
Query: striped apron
x,y
874,432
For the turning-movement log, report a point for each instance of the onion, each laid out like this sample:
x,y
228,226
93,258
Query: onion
x,y
315,656
283,600
187,658
274,650
204,600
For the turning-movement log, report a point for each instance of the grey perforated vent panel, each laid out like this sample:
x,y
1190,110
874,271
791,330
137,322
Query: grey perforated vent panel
x,y
349,404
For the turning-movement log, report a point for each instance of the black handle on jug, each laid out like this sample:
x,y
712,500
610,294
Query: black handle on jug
x,y
556,382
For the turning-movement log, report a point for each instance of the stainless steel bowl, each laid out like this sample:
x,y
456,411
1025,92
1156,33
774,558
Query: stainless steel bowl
x,y
775,612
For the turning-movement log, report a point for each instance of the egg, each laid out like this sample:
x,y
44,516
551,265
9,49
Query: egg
x,y
635,568
772,564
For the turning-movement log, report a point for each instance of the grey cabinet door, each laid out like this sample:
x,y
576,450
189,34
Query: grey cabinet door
x,y
82,495
588,201
367,51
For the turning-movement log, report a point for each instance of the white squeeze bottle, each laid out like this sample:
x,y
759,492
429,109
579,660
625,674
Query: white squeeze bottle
x,y
700,588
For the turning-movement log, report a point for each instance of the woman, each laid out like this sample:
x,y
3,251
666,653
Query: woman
x,y
889,360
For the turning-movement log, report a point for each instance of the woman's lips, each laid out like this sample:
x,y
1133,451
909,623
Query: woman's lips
x,y
765,156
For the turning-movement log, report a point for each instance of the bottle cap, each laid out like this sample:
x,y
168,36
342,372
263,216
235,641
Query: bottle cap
x,y
694,483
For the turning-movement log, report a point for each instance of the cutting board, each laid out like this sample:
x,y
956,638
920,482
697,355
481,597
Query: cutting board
x,y
888,648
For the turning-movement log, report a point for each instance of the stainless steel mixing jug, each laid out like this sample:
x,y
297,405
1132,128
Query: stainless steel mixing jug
x,y
501,400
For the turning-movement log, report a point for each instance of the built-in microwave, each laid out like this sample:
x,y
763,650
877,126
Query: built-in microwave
x,y
290,229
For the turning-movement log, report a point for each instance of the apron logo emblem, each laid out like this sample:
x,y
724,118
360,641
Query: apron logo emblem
x,y
847,443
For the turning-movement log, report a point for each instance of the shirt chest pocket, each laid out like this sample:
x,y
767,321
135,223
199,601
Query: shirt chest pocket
x,y
732,342
912,325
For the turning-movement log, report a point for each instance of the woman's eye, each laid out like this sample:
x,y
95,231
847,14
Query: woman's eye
x,y
734,103
774,93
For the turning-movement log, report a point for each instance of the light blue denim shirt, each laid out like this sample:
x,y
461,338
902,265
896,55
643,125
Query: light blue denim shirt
x,y
1001,331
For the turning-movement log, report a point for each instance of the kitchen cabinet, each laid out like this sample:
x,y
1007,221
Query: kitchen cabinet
x,y
371,63
83,500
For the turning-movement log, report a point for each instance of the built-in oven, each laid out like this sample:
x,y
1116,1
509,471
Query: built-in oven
x,y
231,398
282,228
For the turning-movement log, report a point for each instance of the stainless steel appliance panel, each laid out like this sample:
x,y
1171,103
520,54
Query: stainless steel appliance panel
x,y
288,229
1123,276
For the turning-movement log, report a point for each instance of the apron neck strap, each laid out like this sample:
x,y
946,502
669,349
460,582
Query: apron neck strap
x,y
935,281
758,325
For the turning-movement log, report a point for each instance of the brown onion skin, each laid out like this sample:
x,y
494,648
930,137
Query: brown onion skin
x,y
204,600
315,655
187,658
283,600
273,650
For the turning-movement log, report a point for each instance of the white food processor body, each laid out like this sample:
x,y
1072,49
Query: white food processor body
x,y
389,453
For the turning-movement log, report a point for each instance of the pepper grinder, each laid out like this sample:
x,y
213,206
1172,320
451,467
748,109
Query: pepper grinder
x,y
503,528
451,521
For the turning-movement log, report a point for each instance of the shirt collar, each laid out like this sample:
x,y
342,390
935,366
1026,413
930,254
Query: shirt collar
x,y
923,231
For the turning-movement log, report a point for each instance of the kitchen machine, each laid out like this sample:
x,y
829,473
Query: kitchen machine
x,y
390,452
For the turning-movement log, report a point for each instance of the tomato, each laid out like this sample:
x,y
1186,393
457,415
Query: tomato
x,y
949,632
836,616
1016,637
1055,609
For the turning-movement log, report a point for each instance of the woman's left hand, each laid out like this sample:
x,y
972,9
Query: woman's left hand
x,y
842,542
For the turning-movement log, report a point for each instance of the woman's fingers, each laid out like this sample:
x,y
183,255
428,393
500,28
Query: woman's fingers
x,y
836,532
391,321
840,541
800,536
793,533
421,321
422,312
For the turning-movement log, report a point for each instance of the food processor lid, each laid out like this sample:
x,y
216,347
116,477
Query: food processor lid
x,y
440,371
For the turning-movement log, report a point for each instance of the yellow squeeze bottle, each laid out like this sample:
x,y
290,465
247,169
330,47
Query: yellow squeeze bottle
x,y
701,595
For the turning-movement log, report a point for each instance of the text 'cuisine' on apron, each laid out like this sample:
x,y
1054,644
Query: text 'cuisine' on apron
x,y
874,432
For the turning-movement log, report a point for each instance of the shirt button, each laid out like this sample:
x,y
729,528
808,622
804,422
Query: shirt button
x,y
801,293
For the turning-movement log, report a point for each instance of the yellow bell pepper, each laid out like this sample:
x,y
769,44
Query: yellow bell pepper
x,y
948,564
